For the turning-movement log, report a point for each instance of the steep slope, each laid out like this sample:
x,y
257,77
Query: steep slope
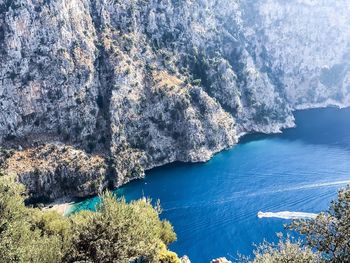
x,y
145,83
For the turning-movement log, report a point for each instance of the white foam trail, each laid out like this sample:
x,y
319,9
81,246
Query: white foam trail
x,y
305,187
247,194
318,185
287,215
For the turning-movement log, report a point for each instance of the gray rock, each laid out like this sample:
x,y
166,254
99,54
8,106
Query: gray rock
x,y
185,259
221,260
52,171
142,84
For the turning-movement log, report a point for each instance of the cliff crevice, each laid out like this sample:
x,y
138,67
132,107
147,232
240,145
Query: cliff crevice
x,y
139,84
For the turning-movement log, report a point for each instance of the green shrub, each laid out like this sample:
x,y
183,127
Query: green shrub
x,y
327,237
116,232
329,233
284,251
20,239
167,256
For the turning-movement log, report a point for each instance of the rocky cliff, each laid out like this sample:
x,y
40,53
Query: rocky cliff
x,y
101,90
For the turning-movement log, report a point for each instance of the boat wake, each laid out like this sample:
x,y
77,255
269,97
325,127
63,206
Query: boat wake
x,y
320,185
287,215
239,195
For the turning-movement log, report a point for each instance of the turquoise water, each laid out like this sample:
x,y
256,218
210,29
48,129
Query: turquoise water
x,y
214,206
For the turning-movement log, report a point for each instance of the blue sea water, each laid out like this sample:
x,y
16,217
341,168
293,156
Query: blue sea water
x,y
213,206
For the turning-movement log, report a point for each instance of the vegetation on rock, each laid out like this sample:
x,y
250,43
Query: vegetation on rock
x,y
51,171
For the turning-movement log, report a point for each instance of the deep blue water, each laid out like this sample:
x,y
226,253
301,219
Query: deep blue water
x,y
214,206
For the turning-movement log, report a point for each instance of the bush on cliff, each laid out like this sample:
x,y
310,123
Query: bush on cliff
x,y
116,232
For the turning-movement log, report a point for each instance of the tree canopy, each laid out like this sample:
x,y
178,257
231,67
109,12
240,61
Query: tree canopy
x,y
117,232
329,232
285,251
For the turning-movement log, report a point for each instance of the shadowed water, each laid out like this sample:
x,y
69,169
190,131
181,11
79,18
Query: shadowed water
x,y
214,206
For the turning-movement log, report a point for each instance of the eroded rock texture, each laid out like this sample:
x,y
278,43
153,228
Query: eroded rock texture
x,y
145,82
58,170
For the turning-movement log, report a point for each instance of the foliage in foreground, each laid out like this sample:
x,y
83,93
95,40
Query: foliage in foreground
x,y
285,251
329,233
116,232
327,237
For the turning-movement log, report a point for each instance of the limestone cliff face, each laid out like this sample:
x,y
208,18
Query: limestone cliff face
x,y
53,171
144,83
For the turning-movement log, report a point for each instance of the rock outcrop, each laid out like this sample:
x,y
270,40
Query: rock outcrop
x,y
221,260
53,171
138,84
185,259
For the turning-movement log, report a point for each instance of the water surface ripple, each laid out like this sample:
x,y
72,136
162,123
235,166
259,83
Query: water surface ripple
x,y
214,206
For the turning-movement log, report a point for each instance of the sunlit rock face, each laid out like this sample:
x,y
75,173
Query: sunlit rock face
x,y
145,83
307,44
